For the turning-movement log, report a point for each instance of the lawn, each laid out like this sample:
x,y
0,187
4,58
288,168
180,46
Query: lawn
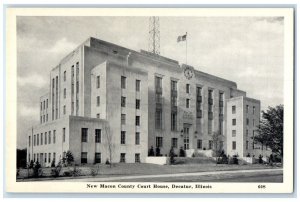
x,y
127,169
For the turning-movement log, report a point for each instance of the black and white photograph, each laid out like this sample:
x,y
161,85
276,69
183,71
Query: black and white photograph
x,y
153,101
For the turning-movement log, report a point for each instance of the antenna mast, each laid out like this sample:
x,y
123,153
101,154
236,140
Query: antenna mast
x,y
154,35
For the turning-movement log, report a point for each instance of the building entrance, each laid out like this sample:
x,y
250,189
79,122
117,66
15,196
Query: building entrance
x,y
186,137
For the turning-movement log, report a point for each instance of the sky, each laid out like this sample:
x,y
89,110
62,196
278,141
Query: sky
x,y
246,50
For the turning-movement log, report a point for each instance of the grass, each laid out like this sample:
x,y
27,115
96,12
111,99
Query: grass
x,y
127,169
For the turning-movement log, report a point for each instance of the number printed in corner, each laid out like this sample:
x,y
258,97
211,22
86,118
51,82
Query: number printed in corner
x,y
262,186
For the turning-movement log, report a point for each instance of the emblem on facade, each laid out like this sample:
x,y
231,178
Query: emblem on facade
x,y
188,72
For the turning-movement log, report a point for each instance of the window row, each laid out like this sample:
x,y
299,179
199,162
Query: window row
x,y
44,105
137,84
44,118
123,102
137,120
98,158
43,138
247,122
233,133
43,157
137,138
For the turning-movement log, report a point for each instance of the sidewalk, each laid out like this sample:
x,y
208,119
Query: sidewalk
x,y
109,179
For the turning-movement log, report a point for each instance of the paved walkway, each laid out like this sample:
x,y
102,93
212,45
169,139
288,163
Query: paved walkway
x,y
110,179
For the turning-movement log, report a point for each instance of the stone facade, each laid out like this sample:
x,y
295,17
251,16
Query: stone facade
x,y
135,101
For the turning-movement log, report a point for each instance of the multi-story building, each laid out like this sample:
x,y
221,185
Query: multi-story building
x,y
108,101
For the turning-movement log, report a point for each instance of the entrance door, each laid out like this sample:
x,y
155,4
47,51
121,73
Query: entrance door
x,y
186,138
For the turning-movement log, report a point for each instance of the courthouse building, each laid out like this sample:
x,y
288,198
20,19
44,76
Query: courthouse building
x,y
106,100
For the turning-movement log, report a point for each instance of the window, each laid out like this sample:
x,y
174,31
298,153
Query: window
x,y
45,158
247,122
49,138
84,134
173,85
98,116
233,145
49,158
41,106
83,157
98,101
221,96
137,120
54,136
41,138
233,122
37,139
137,104
174,142
253,109
34,140
29,141
65,93
47,117
54,157
158,82
247,144
41,119
199,144
210,144
137,158
123,119
187,103
122,158
64,109
46,138
233,133
233,108
247,108
158,119
64,134
34,157
65,75
47,103
98,135
247,132
123,101
137,85
123,137
98,82
77,86
173,121
137,138
187,88
210,126
97,157
159,142
123,82
44,105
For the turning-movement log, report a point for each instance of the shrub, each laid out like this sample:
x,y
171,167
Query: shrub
x,y
52,164
235,159
260,160
181,152
31,164
37,172
56,171
94,171
223,159
76,172
151,151
107,162
157,151
172,155
69,157
67,173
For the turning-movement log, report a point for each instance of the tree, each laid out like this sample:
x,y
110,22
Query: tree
x,y
270,130
109,141
69,157
217,139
